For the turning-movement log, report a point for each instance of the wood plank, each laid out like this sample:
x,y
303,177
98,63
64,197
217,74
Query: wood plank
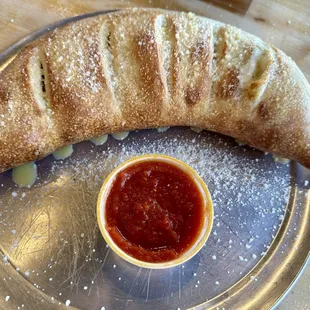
x,y
236,6
283,23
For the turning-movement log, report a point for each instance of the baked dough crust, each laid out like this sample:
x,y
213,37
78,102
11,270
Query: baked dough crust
x,y
145,68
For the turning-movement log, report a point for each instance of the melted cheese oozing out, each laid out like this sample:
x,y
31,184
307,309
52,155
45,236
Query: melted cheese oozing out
x,y
162,129
197,129
100,140
120,135
280,160
64,152
25,175
241,143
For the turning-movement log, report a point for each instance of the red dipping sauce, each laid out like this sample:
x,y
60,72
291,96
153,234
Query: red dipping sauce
x,y
154,211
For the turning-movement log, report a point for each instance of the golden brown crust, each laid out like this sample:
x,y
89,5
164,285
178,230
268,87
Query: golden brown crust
x,y
151,68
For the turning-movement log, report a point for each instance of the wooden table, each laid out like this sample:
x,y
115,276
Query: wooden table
x,y
284,23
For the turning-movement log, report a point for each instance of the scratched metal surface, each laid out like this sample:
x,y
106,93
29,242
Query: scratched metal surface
x,y
53,251
51,233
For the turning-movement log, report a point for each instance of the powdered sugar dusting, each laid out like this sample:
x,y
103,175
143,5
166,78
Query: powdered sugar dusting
x,y
249,190
247,179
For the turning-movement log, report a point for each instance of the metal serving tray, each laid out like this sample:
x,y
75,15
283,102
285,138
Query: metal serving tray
x,y
54,256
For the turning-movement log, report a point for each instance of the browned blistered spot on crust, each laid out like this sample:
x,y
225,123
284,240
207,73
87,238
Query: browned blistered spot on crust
x,y
199,52
264,110
251,90
229,84
223,46
255,84
193,96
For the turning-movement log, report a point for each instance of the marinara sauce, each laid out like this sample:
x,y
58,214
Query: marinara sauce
x,y
154,211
